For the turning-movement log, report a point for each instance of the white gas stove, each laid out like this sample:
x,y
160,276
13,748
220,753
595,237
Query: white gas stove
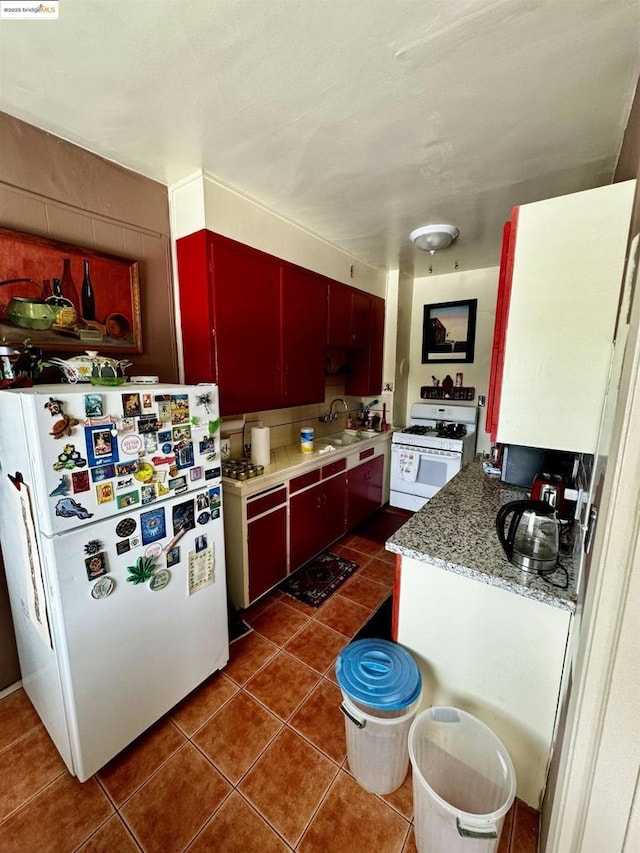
x,y
439,441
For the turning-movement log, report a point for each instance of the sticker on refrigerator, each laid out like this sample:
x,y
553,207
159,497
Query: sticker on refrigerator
x,y
152,525
63,488
179,408
159,580
102,588
201,543
201,569
96,566
215,497
123,546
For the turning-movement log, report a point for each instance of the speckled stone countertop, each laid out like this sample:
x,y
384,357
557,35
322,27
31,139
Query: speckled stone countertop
x,y
456,531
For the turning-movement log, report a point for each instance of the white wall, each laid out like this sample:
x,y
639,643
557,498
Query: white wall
x,y
472,284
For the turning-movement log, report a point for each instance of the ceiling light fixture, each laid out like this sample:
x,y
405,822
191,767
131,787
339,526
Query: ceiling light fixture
x,y
432,238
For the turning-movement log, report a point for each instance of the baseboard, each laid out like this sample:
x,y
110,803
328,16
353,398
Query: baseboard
x,y
10,689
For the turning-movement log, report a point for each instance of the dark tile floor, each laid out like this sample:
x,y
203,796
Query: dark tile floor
x,y
253,760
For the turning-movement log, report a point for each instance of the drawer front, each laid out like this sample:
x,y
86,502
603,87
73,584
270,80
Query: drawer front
x,y
364,454
304,480
265,501
334,468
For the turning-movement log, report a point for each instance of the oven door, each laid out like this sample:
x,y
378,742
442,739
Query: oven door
x,y
417,473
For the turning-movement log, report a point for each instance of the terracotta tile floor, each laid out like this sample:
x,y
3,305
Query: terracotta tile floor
x,y
253,760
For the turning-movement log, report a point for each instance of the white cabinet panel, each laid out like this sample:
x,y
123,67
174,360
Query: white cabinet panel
x,y
567,273
493,653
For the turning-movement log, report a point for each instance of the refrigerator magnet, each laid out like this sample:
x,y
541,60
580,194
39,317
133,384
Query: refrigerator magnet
x,y
152,525
205,400
204,517
201,569
142,571
181,433
164,411
148,493
93,405
178,484
123,546
183,517
207,445
135,541
164,436
63,488
124,483
195,473
202,501
126,424
69,458
93,546
104,493
162,490
159,580
184,455
214,497
68,508
64,426
131,444
147,401
54,406
201,543
150,442
102,588
127,499
148,423
102,447
212,473
131,405
102,472
179,408
154,550
144,472
125,468
80,481
173,556
125,527
96,566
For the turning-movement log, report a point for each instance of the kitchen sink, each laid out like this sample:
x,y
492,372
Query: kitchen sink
x,y
339,439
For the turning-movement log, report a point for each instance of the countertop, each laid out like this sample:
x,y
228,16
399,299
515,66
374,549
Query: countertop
x,y
456,531
289,461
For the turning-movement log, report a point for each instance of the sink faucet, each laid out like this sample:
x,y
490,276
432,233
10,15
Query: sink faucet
x,y
333,416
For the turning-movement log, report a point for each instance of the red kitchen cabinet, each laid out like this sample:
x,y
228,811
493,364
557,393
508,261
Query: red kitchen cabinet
x,y
304,312
267,551
500,328
339,329
316,519
364,490
360,318
252,323
365,362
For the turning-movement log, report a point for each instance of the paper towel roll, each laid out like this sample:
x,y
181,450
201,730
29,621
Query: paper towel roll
x,y
260,446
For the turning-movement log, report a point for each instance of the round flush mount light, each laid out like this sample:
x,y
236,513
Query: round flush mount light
x,y
433,238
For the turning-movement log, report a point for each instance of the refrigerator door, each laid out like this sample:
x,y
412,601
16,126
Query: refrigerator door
x,y
100,451
139,618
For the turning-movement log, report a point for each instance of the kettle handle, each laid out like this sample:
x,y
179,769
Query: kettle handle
x,y
517,508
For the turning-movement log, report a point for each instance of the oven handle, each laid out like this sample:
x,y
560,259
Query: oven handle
x,y
427,451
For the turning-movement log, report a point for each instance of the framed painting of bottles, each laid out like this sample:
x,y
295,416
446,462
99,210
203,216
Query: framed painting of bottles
x,y
67,298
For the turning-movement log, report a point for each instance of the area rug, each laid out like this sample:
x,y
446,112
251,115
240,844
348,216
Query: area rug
x,y
318,579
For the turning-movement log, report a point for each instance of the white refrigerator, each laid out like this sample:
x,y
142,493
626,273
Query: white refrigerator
x,y
112,536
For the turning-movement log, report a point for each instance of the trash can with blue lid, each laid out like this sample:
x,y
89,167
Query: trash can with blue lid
x,y
381,690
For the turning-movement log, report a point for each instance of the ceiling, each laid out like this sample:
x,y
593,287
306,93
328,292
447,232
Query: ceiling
x,y
357,119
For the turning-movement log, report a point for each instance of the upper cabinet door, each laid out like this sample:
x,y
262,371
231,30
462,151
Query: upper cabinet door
x,y
360,318
339,331
196,308
568,265
304,335
247,321
376,349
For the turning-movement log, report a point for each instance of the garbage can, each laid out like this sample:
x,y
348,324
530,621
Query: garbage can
x,y
463,782
381,688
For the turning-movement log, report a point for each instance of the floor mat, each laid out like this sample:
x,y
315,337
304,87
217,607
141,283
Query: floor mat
x,y
318,579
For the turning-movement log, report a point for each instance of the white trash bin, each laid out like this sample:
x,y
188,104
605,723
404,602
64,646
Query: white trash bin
x,y
381,689
463,782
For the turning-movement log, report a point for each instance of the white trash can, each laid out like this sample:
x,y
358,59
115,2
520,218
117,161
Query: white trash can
x,y
381,689
463,782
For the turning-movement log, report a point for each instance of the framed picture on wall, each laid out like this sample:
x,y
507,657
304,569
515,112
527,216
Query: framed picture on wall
x,y
449,332
64,297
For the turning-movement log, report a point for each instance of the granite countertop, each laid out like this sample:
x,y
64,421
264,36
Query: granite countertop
x,y
289,461
456,531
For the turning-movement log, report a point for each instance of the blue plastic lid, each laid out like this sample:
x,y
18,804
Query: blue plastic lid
x,y
378,673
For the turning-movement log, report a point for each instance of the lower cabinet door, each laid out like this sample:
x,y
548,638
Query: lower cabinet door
x,y
267,546
364,490
333,509
305,510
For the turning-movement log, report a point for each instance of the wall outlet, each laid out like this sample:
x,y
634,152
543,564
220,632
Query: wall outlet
x,y
225,447
482,400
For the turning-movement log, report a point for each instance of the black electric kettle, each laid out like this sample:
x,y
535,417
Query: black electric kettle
x,y
532,539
